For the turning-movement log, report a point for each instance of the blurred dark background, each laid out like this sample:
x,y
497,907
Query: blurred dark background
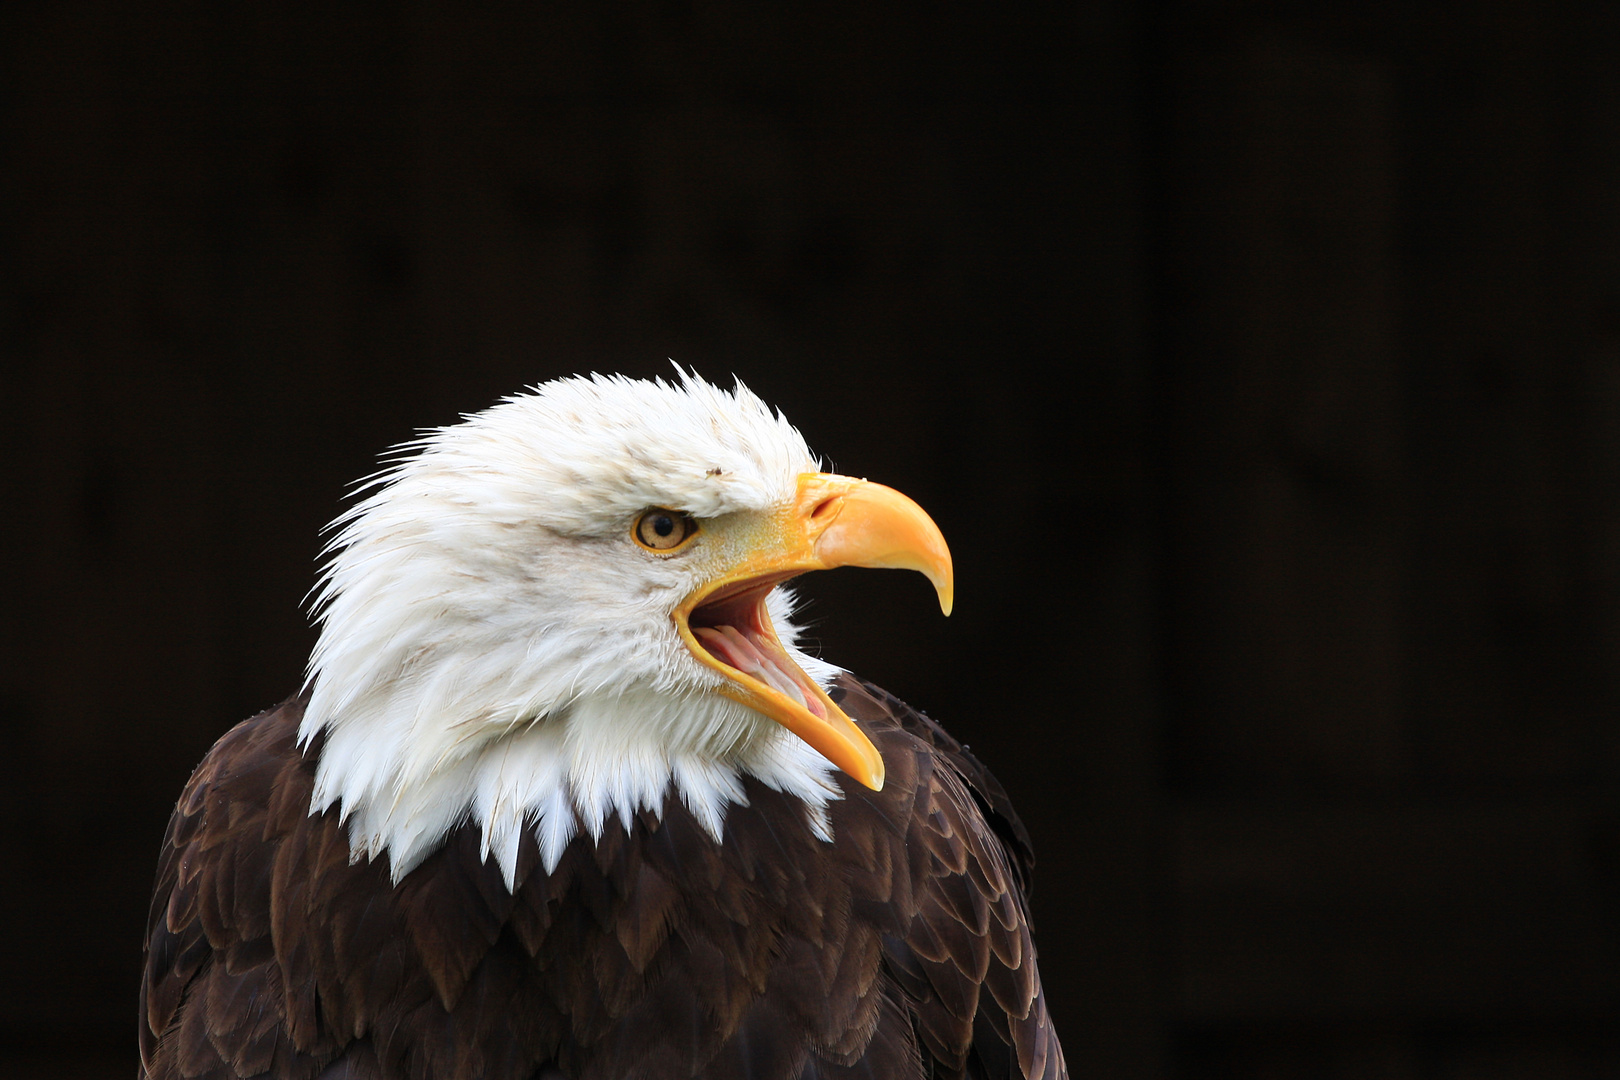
x,y
1261,362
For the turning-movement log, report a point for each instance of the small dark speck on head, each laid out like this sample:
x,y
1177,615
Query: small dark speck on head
x,y
716,471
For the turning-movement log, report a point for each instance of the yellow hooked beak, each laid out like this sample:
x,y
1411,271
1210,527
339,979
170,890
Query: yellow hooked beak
x,y
832,521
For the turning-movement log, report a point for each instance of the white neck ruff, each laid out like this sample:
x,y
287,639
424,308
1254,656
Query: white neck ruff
x,y
591,768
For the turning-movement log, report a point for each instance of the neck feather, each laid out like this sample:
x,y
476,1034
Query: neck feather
x,y
591,768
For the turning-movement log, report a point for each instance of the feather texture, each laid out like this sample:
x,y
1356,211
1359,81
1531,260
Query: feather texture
x,y
653,951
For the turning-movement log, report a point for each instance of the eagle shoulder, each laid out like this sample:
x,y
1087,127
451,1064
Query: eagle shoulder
x,y
272,953
214,996
961,951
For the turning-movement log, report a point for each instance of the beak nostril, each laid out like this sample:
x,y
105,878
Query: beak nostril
x,y
824,507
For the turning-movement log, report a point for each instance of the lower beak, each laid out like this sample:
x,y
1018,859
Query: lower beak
x,y
832,521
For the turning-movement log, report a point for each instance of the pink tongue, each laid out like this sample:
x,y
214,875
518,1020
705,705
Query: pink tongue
x,y
733,648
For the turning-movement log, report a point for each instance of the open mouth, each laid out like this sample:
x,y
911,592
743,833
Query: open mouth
x,y
734,628
725,624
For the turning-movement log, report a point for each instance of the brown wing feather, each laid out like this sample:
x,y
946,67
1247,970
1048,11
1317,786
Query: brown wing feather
x,y
962,955
901,950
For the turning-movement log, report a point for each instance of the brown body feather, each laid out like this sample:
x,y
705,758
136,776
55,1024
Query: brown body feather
x,y
902,949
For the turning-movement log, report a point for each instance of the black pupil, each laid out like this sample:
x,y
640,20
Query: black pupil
x,y
663,524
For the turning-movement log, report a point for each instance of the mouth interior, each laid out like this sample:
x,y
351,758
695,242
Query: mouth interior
x,y
734,628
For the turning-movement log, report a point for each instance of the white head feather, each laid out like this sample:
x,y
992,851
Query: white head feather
x,y
495,647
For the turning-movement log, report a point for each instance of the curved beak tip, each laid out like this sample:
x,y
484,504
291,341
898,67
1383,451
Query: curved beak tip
x,y
877,526
945,587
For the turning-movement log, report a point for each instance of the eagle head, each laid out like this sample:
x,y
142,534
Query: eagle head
x,y
568,607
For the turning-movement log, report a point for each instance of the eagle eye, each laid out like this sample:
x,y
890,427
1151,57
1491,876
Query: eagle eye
x,y
664,531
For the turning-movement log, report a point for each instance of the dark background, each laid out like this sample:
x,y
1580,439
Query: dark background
x,y
1261,362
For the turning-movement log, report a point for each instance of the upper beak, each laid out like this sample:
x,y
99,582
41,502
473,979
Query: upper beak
x,y
832,521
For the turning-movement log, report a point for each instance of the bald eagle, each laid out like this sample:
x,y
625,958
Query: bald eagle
x,y
562,798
